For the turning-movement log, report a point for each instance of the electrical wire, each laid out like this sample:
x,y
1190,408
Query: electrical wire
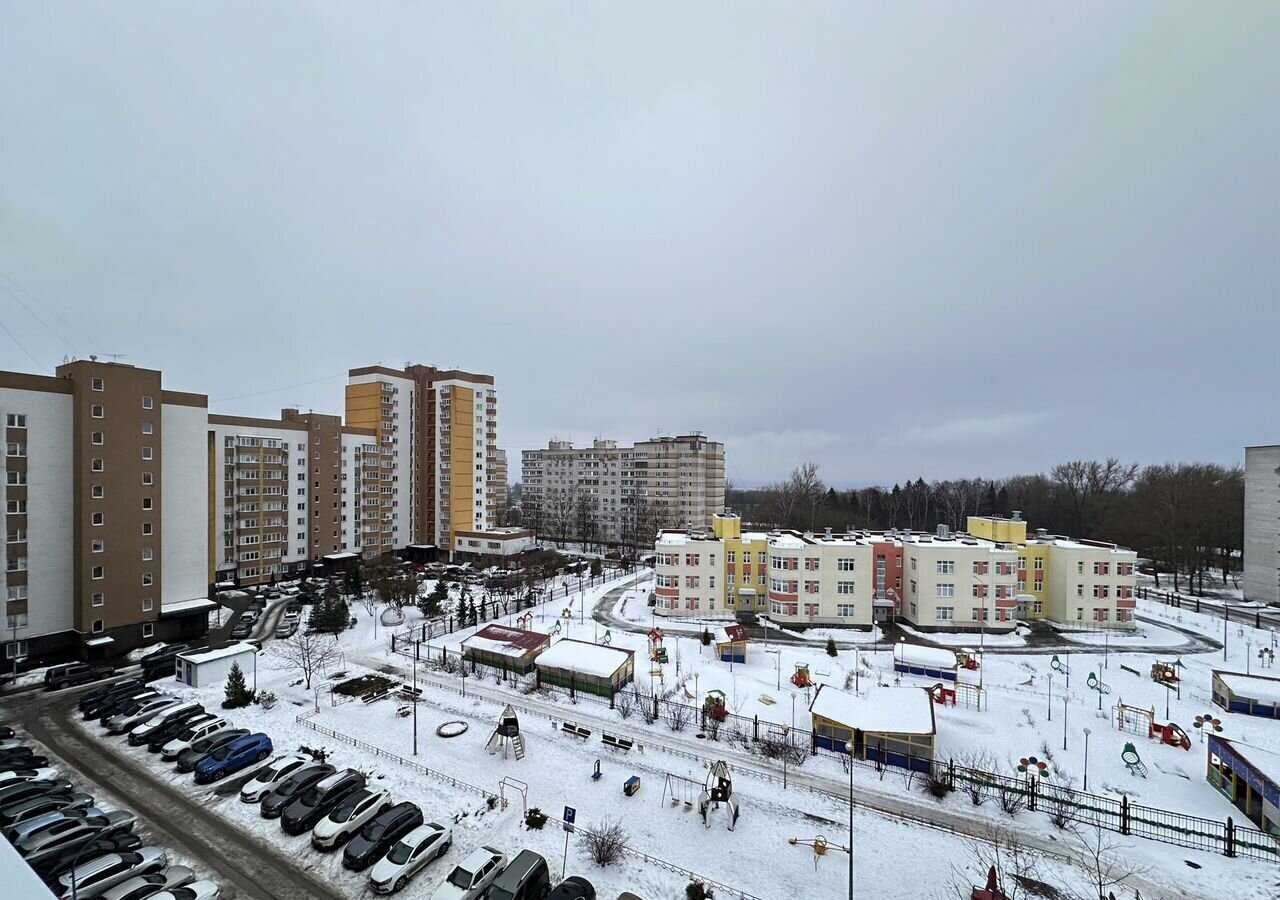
x,y
49,328
287,387
14,338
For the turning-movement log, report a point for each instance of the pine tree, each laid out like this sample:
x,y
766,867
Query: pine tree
x,y
237,692
831,647
433,603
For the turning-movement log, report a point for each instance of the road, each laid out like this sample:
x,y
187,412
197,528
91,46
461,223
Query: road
x,y
237,859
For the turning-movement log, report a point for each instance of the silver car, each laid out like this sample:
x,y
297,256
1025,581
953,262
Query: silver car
x,y
140,886
97,876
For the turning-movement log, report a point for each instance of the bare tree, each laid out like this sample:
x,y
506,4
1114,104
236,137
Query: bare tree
x,y
1015,867
808,491
676,715
559,509
605,842
1103,858
306,652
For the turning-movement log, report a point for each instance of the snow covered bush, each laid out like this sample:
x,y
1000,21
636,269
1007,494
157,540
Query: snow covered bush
x,y
605,842
696,890
535,818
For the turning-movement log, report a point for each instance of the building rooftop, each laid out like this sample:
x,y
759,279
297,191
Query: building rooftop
x,y
584,657
504,641
203,656
885,710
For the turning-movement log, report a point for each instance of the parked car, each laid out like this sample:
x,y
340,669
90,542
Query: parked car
x,y
114,702
380,835
14,792
22,761
42,805
59,677
286,628
64,861
141,886
160,738
270,775
94,877
348,817
313,804
524,878
125,721
472,876
199,751
130,705
5,732
73,831
280,796
242,629
116,687
196,890
192,731
46,773
233,757
409,855
19,831
141,733
13,743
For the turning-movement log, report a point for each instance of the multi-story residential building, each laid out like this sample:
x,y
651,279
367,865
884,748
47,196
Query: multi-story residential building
x,y
105,510
1262,524
436,432
499,488
609,493
987,579
285,492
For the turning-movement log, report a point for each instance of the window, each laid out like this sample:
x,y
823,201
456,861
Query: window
x,y
845,587
17,592
16,564
96,491
1102,568
146,527
846,610
96,465
15,479
980,614
97,626
1039,584
96,545
945,613
811,587
1101,615
16,649
147,428
913,564
946,590
148,629
15,420
1079,568
1039,563
1101,591
1022,584
691,581
16,507
97,439
732,577
98,573
1079,590
98,599
732,557
810,564
691,559
146,453
1080,613
760,579
97,411
979,591
97,385
96,518
844,564
762,559
946,567
146,503
980,567
16,448
148,403
1022,564
147,554
147,478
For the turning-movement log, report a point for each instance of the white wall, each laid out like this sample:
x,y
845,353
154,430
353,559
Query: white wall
x,y
184,518
50,511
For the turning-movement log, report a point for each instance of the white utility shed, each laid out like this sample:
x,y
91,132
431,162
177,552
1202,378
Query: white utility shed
x,y
206,668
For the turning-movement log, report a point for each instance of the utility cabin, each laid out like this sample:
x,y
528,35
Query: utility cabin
x,y
731,644
202,668
507,649
1253,695
892,726
929,662
584,666
1250,778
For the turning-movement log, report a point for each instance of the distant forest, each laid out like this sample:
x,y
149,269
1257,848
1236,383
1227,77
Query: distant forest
x,y
1187,518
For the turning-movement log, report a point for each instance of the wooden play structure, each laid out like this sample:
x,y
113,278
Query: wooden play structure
x,y
731,644
1165,673
657,652
967,658
507,732
801,677
943,695
713,707
1137,720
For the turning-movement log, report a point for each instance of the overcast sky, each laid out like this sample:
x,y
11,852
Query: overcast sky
x,y
897,239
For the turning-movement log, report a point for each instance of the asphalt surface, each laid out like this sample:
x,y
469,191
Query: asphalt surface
x,y
178,819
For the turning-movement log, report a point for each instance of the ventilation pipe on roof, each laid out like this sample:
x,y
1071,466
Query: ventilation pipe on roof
x,y
944,533
827,533
1017,515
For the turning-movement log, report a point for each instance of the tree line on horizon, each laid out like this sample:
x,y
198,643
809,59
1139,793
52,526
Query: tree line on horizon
x,y
1186,518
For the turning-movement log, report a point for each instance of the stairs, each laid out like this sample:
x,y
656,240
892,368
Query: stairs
x,y
518,743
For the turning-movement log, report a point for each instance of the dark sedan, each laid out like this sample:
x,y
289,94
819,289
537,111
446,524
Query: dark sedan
x,y
12,793
318,801
380,834
109,703
175,726
575,887
282,795
191,757
116,687
22,810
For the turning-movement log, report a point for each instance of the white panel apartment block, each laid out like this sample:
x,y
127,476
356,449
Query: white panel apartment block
x,y
1262,524
185,508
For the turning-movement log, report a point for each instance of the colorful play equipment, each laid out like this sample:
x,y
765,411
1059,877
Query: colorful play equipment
x,y
967,658
1172,735
1059,666
992,889
657,652
1030,765
631,786
1164,673
607,639
525,622
801,678
718,789
595,775
943,695
1129,756
714,706
1210,723
1098,684
507,732
820,846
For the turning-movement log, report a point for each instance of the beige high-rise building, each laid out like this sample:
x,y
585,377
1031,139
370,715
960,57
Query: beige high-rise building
x,y
622,494
436,432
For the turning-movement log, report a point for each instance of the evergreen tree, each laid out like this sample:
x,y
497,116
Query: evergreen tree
x,y
831,647
596,568
237,692
433,603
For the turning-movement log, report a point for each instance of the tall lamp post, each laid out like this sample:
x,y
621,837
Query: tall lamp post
x,y
1064,721
849,745
1087,732
1050,696
415,698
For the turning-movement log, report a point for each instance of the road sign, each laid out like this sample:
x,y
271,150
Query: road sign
x,y
570,815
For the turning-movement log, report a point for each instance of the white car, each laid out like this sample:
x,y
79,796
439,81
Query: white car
x,y
196,890
141,886
348,817
411,853
121,723
193,733
472,877
271,775
13,776
142,731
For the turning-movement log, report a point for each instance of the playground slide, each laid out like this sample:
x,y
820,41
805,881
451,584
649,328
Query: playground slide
x,y
1129,755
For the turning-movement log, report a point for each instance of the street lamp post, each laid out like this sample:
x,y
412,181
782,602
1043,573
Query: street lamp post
x,y
1050,696
1087,732
415,698
1166,701
1064,721
1099,688
849,745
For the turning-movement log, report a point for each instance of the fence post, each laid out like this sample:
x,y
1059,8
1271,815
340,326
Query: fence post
x,y
393,642
1031,793
1230,848
951,774
755,728
1124,814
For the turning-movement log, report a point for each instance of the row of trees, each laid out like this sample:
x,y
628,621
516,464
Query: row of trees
x,y
1188,518
575,514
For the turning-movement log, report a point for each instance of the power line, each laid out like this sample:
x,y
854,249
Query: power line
x,y
14,338
49,309
47,327
287,387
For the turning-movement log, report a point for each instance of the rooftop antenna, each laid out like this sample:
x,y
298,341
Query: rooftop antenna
x,y
116,357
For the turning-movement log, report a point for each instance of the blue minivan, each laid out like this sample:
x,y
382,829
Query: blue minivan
x,y
233,757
